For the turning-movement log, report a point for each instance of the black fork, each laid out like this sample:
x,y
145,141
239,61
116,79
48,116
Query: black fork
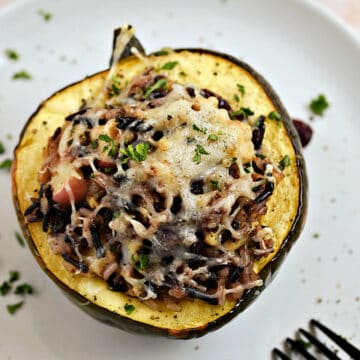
x,y
299,346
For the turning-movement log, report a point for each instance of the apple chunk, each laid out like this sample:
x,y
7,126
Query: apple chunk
x,y
68,184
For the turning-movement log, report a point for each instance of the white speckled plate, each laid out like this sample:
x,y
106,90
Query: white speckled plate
x,y
303,51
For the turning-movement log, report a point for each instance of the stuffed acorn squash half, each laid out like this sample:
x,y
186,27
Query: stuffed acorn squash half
x,y
162,194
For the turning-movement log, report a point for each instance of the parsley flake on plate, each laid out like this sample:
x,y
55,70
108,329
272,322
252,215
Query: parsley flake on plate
x,y
6,164
23,289
23,74
12,54
19,239
5,287
319,105
45,15
13,276
13,308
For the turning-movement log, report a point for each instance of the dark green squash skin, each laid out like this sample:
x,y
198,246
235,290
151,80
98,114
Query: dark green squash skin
x,y
267,273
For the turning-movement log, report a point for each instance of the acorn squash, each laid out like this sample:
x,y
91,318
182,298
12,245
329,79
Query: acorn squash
x,y
222,74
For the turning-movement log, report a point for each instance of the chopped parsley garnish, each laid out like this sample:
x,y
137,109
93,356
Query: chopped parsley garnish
x,y
247,167
161,53
274,115
2,148
106,138
202,130
182,73
5,288
129,308
116,214
21,75
115,90
143,261
284,162
13,276
319,105
19,239
169,65
140,261
201,150
303,344
234,159
196,158
137,154
198,152
316,235
13,308
236,97
160,84
94,144
241,89
115,86
45,15
261,156
6,164
243,112
12,54
111,147
213,137
23,289
215,184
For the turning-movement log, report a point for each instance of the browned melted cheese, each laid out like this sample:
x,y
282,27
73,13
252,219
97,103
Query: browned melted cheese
x,y
173,164
173,198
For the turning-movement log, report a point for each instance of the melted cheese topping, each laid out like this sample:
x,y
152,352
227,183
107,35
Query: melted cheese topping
x,y
176,175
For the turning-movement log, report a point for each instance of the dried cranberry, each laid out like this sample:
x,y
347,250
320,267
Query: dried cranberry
x,y
304,130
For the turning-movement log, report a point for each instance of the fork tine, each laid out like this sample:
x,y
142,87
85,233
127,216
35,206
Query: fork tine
x,y
327,352
345,345
280,354
301,349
